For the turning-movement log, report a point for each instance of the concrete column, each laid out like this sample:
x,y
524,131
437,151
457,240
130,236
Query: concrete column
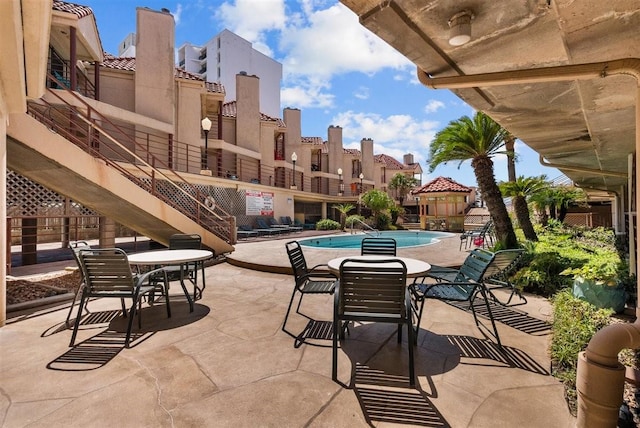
x,y
4,249
107,233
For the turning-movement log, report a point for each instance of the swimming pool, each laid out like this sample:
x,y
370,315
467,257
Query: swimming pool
x,y
404,239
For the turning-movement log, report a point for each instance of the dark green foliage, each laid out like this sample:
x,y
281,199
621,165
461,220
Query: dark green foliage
x,y
574,324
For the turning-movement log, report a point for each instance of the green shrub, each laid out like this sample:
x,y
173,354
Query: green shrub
x,y
383,221
563,251
574,324
327,224
355,219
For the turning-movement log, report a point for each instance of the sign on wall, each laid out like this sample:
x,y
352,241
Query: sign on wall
x,y
259,203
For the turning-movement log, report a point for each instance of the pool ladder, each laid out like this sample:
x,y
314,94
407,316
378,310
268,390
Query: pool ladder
x,y
375,234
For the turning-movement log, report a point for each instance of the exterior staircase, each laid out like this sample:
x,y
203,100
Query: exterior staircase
x,y
66,149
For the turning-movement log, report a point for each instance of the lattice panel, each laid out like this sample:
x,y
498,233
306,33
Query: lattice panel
x,y
26,198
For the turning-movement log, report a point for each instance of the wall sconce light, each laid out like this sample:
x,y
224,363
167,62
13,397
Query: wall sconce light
x,y
341,186
460,28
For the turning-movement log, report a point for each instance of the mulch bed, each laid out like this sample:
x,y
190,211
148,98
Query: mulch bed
x,y
21,290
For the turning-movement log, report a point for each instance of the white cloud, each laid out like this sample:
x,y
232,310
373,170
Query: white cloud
x,y
362,93
332,41
393,135
318,39
251,19
177,13
433,106
307,94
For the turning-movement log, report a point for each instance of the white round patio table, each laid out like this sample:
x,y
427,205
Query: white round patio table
x,y
415,267
171,258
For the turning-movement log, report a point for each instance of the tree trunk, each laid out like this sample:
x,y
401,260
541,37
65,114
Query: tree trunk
x,y
509,144
483,169
522,214
563,213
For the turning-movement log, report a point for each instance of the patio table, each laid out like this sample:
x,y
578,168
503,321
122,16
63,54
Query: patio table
x,y
172,258
415,267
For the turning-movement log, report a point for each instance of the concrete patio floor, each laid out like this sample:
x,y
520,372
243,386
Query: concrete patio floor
x,y
229,364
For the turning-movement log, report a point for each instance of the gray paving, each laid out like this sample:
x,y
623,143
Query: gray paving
x,y
229,364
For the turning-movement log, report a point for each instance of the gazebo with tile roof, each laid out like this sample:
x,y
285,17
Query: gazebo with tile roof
x,y
442,204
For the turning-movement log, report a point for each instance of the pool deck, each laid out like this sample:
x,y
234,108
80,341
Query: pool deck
x,y
229,364
271,255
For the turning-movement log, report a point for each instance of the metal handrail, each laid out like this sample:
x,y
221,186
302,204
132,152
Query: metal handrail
x,y
355,219
219,224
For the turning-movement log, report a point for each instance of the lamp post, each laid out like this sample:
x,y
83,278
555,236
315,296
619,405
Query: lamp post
x,y
294,158
360,194
341,186
206,127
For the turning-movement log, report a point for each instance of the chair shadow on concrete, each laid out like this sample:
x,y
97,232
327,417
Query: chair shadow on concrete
x,y
314,333
511,317
474,348
379,375
385,398
97,350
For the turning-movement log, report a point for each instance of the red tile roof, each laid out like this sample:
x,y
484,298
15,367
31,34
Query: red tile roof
x,y
442,184
216,87
316,141
390,162
129,64
352,152
76,9
230,110
119,63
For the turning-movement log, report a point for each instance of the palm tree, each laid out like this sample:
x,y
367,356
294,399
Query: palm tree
x,y
343,209
377,201
542,200
521,189
478,140
402,183
565,196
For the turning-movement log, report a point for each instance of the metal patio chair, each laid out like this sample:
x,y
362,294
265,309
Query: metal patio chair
x,y
187,241
307,281
76,247
372,291
378,246
504,263
457,285
107,274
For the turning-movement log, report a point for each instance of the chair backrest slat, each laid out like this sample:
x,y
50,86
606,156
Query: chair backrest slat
x,y
296,257
372,287
106,270
474,266
504,261
378,246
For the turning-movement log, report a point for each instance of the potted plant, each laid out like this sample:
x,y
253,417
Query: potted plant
x,y
600,281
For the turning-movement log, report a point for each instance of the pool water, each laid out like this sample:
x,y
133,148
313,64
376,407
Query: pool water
x,y
404,239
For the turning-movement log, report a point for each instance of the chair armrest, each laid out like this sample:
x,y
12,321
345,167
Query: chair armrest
x,y
318,266
312,275
148,275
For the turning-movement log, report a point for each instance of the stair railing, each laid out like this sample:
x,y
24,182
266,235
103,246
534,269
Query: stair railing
x,y
174,190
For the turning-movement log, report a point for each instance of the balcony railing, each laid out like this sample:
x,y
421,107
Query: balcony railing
x,y
105,139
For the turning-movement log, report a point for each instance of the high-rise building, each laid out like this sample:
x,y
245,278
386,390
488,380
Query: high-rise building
x,y
228,54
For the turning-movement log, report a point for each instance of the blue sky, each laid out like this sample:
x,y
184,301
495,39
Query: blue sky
x,y
335,71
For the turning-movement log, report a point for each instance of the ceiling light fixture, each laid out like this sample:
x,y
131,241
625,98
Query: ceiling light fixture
x,y
460,28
